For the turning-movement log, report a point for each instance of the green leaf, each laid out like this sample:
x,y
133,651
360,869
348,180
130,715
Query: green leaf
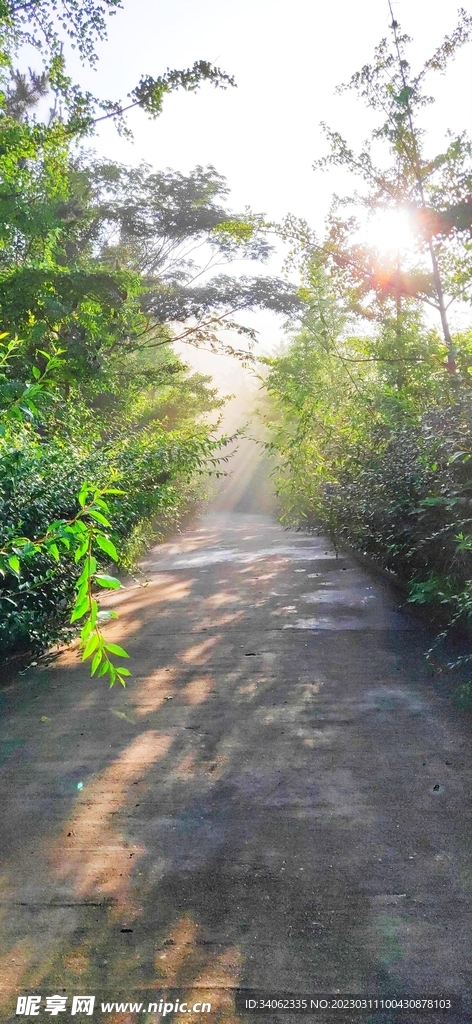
x,y
36,373
79,611
86,630
98,517
82,594
82,495
100,503
95,663
75,529
107,581
90,566
91,646
123,671
81,549
93,612
26,411
107,546
14,563
116,649
28,548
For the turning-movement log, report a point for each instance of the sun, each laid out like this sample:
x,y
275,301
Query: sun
x,y
390,231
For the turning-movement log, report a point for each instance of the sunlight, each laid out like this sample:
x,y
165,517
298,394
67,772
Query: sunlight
x,y
91,852
13,965
199,653
198,690
153,690
390,231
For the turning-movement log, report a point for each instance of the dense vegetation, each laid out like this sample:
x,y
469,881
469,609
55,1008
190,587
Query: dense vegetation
x,y
105,432
370,411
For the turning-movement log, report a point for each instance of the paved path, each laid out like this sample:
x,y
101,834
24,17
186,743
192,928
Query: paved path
x,y
277,800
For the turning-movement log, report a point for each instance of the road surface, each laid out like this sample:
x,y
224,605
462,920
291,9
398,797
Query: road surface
x,y
278,800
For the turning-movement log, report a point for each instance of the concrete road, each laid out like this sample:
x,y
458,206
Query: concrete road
x,y
279,799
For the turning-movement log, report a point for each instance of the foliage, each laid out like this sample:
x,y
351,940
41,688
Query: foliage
x,y
37,22
103,428
398,175
370,406
377,452
45,25
173,230
58,533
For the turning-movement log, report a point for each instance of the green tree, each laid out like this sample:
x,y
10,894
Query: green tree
x,y
372,438
74,483
405,178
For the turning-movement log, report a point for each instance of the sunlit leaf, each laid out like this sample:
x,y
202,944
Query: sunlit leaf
x,y
79,611
107,581
90,646
14,563
93,512
95,662
116,649
107,546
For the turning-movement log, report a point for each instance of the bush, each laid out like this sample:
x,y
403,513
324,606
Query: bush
x,y
39,485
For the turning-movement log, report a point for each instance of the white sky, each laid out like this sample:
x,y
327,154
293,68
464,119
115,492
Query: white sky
x,y
287,57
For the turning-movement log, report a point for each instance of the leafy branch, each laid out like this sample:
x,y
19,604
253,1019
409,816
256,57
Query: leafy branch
x,y
78,536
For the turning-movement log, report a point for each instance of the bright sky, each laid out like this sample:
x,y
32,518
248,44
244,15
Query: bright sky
x,y
287,58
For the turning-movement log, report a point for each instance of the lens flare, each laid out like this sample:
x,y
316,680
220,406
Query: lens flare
x,y
390,231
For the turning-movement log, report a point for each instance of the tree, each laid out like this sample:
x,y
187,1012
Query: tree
x,y
38,22
426,187
372,438
174,230
73,483
44,24
98,258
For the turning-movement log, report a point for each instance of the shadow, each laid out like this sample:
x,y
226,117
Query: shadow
x,y
257,808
